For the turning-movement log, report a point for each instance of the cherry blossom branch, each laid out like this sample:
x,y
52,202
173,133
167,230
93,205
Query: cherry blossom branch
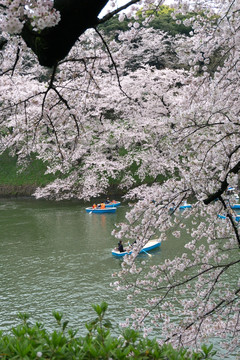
x,y
5,108
172,287
229,215
227,12
114,12
12,69
69,108
204,316
16,61
113,62
50,86
64,101
198,274
83,61
56,137
214,145
224,185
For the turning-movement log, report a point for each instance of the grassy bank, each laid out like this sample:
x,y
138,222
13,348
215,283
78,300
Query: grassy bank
x,y
16,183
23,183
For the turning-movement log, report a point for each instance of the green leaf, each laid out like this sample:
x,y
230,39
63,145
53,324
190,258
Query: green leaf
x,y
65,324
58,316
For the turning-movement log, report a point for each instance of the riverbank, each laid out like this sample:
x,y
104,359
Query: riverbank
x,y
8,191
14,183
27,190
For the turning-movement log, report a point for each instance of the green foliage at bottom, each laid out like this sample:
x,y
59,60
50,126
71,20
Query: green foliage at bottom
x,y
33,342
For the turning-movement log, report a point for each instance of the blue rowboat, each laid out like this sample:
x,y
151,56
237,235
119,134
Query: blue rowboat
x,y
237,218
182,207
235,206
101,211
185,206
150,245
113,204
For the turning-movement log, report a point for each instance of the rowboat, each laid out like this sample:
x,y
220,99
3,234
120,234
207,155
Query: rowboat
x,y
230,191
185,206
182,207
235,206
150,245
109,210
237,218
113,204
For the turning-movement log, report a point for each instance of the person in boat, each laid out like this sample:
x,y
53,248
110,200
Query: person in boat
x,y
120,246
102,206
107,201
94,206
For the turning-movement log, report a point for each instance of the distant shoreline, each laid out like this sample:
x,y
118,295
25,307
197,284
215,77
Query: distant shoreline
x,y
15,191
7,191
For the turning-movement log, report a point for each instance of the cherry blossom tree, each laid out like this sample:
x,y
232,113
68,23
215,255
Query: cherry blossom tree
x,y
200,151
94,115
51,27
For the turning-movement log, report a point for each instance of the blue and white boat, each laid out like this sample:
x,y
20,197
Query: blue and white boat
x,y
113,204
235,206
220,216
231,191
109,210
185,206
150,245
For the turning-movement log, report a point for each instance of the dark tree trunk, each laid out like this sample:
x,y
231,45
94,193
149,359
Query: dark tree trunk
x,y
53,44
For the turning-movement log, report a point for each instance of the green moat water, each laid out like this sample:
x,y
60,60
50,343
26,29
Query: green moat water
x,y
55,256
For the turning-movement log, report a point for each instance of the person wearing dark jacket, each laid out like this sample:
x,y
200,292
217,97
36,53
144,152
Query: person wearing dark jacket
x,y
120,246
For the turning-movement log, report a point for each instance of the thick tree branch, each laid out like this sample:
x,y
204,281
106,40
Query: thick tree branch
x,y
52,44
224,185
3,42
229,215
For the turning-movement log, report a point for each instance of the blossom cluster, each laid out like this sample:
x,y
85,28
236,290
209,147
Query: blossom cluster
x,y
40,14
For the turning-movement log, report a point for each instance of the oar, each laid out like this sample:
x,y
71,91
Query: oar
x,y
147,253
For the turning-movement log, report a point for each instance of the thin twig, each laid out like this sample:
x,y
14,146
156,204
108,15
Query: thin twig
x,y
113,62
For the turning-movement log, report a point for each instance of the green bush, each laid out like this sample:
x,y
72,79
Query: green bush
x,y
28,341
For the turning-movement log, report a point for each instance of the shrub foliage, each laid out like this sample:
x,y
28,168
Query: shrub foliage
x,y
27,341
